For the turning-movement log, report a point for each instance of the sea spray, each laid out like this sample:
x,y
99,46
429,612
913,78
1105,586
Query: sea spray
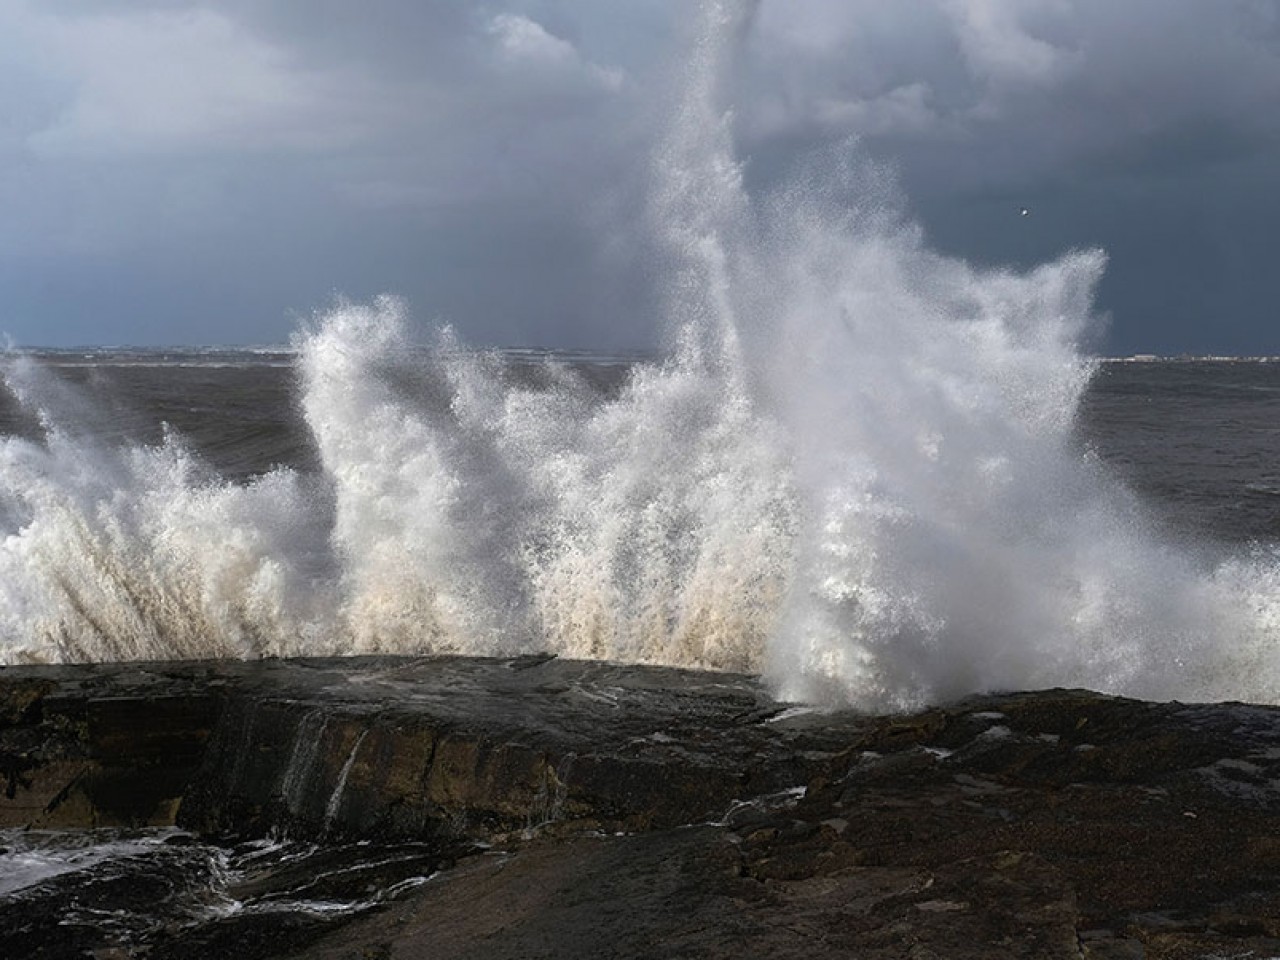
x,y
952,535
489,518
856,472
125,551
137,551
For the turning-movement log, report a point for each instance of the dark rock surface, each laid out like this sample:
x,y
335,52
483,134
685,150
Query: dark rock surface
x,y
593,810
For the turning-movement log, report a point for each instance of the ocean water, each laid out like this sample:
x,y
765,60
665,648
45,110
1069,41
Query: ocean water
x,y
134,446
1197,439
873,474
165,893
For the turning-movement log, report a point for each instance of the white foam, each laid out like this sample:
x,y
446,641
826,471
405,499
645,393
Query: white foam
x,y
31,857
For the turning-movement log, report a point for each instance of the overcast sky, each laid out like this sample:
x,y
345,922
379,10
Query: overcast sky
x,y
207,172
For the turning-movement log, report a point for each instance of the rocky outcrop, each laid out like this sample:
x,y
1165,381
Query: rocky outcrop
x,y
489,748
637,812
94,746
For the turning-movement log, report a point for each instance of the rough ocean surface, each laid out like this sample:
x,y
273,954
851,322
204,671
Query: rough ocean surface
x,y
536,807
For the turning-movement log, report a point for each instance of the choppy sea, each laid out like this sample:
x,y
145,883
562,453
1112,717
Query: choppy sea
x,y
1198,438
363,492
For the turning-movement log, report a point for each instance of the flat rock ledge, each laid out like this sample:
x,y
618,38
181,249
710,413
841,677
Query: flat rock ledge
x,y
594,810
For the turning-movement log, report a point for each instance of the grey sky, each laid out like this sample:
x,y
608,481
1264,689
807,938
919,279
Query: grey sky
x,y
206,172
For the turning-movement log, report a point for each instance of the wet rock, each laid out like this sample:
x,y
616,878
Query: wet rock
x,y
492,748
98,746
634,812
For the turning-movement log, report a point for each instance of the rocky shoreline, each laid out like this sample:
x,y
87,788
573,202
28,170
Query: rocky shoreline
x,y
577,809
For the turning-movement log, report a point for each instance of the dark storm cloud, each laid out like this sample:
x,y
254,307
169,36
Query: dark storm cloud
x,y
189,171
293,150
997,91
1147,127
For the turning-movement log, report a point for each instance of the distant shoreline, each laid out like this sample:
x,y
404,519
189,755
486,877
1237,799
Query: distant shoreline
x,y
1187,358
284,355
